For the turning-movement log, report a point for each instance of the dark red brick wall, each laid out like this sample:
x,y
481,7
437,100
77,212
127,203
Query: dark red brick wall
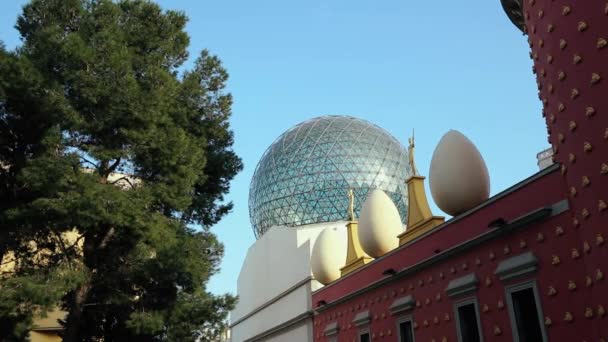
x,y
569,47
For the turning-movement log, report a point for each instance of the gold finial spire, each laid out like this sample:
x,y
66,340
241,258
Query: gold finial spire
x,y
351,204
420,219
355,256
410,150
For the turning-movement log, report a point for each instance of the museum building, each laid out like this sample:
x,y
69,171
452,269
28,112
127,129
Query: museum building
x,y
348,249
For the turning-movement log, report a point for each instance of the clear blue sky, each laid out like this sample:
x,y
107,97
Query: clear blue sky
x,y
400,64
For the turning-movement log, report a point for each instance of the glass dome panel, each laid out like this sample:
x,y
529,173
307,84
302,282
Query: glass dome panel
x,y
304,176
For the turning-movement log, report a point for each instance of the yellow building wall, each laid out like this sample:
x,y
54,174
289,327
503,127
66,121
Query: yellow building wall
x,y
45,336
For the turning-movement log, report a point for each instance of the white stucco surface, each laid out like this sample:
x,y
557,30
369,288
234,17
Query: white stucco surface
x,y
274,264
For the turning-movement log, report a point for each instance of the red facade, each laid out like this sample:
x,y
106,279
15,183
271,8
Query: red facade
x,y
558,216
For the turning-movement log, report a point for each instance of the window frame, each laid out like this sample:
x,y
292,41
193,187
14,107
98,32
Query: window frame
x,y
520,286
364,330
464,302
403,319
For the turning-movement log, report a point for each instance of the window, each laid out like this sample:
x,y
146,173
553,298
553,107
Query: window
x,y
406,333
524,309
468,321
364,337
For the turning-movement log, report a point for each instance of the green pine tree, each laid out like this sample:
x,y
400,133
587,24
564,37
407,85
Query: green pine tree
x,y
97,90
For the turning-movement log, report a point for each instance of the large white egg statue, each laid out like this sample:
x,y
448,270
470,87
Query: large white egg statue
x,y
458,176
328,256
379,224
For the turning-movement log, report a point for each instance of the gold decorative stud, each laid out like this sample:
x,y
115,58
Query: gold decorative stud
x,y
586,247
497,330
604,169
589,111
420,283
550,88
477,261
599,275
576,59
446,317
562,44
506,250
555,149
389,332
452,270
582,26
552,291
381,334
555,260
415,325
436,320
588,281
588,313
561,107
522,243
559,231
572,159
568,317
427,301
575,222
438,297
552,118
601,205
585,181
543,73
606,9
572,191
550,28
601,43
563,169
548,321
430,280
383,315
418,304
561,75
601,311
465,266
441,275
595,78
485,308
561,138
492,256
500,304
444,339
574,94
606,134
541,13
411,286
488,281
599,239
575,254
585,213
540,237
425,323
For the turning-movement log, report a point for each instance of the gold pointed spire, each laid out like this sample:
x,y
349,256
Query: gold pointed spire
x,y
410,150
351,205
420,219
355,256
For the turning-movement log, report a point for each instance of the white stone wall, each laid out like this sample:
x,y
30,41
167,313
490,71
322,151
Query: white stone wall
x,y
274,264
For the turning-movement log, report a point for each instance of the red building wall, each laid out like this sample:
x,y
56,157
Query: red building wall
x,y
571,65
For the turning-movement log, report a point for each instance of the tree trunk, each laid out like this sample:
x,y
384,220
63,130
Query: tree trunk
x,y
74,319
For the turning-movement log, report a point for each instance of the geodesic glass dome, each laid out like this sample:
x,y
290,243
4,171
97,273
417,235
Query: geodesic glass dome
x,y
304,176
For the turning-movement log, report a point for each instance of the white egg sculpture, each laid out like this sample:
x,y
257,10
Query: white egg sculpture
x,y
328,256
458,176
379,224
